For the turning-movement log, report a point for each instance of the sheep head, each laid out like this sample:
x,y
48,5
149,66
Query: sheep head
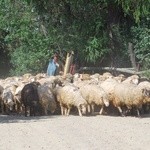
x,y
146,92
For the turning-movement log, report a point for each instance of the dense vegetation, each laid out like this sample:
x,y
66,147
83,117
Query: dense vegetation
x,y
97,30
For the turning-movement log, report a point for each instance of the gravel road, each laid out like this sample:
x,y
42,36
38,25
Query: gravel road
x,y
74,133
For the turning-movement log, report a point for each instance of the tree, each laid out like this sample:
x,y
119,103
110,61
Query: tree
x,y
26,42
95,30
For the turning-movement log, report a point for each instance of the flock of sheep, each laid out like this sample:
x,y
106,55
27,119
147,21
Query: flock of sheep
x,y
43,95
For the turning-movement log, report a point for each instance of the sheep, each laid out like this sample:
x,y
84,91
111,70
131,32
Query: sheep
x,y
17,97
30,98
128,95
50,81
145,85
94,95
108,86
7,102
76,77
64,80
69,96
79,84
107,75
96,75
134,79
68,77
27,75
120,78
40,76
27,78
46,99
85,76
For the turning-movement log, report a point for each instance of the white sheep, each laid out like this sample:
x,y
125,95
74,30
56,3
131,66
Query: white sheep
x,y
69,96
134,79
120,78
50,81
146,85
108,86
85,76
107,75
40,76
128,95
7,101
94,95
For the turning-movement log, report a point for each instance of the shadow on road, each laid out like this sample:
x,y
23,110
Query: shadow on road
x,y
23,119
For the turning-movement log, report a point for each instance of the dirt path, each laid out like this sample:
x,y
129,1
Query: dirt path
x,y
74,133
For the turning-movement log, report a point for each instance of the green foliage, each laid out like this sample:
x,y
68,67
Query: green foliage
x,y
34,29
141,39
137,9
26,41
96,49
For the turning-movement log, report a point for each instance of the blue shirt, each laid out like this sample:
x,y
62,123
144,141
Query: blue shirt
x,y
52,67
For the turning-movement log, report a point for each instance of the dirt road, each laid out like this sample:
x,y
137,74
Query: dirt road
x,y
74,133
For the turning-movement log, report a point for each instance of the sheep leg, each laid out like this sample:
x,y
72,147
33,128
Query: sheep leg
x,y
7,110
31,113
120,110
101,110
2,107
138,112
68,111
92,106
62,109
16,107
20,109
80,114
25,111
65,110
88,108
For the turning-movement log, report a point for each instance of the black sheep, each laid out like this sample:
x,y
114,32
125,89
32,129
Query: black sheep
x,y
30,98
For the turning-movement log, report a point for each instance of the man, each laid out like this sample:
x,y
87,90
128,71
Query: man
x,y
53,66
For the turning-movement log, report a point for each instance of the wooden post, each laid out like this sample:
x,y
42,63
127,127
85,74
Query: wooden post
x,y
69,60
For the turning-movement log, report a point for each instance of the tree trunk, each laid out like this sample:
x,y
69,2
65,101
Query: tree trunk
x,y
132,55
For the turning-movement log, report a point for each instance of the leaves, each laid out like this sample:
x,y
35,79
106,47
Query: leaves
x,y
141,39
34,29
137,9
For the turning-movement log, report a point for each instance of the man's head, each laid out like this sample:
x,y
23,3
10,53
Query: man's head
x,y
55,57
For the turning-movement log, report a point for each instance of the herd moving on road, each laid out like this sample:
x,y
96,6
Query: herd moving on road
x,y
43,95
